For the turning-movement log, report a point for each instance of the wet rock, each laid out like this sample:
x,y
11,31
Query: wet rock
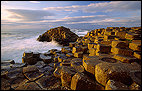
x,y
53,50
18,65
9,61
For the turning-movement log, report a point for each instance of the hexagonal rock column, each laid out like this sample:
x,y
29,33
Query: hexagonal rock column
x,y
80,81
135,46
66,75
117,71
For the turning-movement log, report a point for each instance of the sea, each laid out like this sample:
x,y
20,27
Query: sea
x,y
15,42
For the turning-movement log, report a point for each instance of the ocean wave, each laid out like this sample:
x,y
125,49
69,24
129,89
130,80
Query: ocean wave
x,y
15,49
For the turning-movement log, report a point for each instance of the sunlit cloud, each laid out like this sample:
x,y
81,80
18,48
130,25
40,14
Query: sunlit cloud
x,y
34,1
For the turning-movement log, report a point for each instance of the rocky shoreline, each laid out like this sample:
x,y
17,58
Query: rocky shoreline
x,y
103,59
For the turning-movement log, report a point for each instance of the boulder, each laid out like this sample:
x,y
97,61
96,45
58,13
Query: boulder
x,y
60,34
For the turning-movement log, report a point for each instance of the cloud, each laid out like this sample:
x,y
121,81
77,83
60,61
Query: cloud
x,y
29,15
76,19
34,1
101,7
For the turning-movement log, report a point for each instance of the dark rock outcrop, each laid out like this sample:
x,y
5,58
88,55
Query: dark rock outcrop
x,y
60,34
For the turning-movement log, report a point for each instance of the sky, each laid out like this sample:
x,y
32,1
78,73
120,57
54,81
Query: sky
x,y
71,14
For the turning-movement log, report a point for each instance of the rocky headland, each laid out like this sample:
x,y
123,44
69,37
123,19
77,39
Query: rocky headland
x,y
103,59
61,35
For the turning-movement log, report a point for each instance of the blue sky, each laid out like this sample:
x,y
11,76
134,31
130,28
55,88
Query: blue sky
x,y
71,14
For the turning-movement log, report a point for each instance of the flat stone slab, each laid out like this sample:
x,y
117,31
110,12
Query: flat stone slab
x,y
28,69
33,75
47,81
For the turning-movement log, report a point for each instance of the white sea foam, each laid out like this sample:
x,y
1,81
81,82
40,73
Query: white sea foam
x,y
14,50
